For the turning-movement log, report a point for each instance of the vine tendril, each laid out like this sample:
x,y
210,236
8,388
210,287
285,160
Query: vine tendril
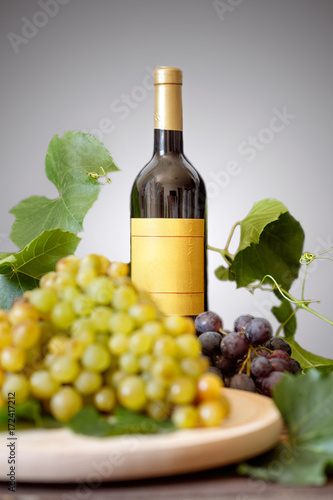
x,y
95,175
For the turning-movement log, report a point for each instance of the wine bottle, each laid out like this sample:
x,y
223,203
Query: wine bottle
x,y
168,212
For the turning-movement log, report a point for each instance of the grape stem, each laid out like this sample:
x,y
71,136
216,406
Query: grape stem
x,y
277,334
305,259
231,235
228,257
247,361
306,308
300,304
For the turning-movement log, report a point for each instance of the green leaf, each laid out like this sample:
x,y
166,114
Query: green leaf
x,y
289,465
87,421
145,424
306,359
306,405
27,415
282,313
21,271
4,255
271,242
261,214
68,162
91,423
276,253
224,274
308,409
28,411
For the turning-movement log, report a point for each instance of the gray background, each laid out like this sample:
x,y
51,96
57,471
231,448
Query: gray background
x,y
238,67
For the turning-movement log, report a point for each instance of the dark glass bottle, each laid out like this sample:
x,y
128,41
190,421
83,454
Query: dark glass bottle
x,y
169,259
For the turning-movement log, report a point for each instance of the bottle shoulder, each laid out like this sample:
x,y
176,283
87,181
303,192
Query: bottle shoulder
x,y
167,169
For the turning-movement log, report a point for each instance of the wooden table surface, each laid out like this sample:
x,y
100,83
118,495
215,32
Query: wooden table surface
x,y
216,484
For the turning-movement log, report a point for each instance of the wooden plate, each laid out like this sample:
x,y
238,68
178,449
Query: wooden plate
x,y
60,456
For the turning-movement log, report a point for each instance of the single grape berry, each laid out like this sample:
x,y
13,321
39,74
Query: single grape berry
x,y
258,331
280,354
269,382
260,367
234,345
263,352
278,343
258,382
243,382
295,366
224,364
210,343
208,321
217,371
280,365
241,322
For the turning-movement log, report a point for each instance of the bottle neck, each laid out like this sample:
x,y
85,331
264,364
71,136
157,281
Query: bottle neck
x,y
168,141
168,119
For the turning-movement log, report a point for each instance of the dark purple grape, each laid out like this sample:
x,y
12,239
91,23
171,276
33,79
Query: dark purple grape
x,y
258,331
234,345
210,343
224,364
217,371
269,382
208,321
258,382
241,322
277,343
280,365
280,354
260,367
263,352
269,356
242,382
295,366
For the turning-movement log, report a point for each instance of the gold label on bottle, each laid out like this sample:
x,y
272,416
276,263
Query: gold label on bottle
x,y
168,261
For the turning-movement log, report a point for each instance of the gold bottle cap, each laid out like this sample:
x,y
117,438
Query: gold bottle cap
x,y
165,74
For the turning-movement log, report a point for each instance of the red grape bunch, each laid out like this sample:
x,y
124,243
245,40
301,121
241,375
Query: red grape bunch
x,y
249,357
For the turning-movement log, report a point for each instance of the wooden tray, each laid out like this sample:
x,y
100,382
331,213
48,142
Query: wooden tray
x,y
60,456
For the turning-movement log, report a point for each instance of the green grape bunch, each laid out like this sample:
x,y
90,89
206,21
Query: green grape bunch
x,y
87,336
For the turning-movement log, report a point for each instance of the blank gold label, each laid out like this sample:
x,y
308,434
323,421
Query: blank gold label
x,y
168,261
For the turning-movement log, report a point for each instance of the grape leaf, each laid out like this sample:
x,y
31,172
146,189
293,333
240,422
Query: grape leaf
x,y
282,313
87,421
91,423
28,415
271,242
4,255
28,411
68,162
224,274
306,405
22,271
261,214
289,465
306,359
277,253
